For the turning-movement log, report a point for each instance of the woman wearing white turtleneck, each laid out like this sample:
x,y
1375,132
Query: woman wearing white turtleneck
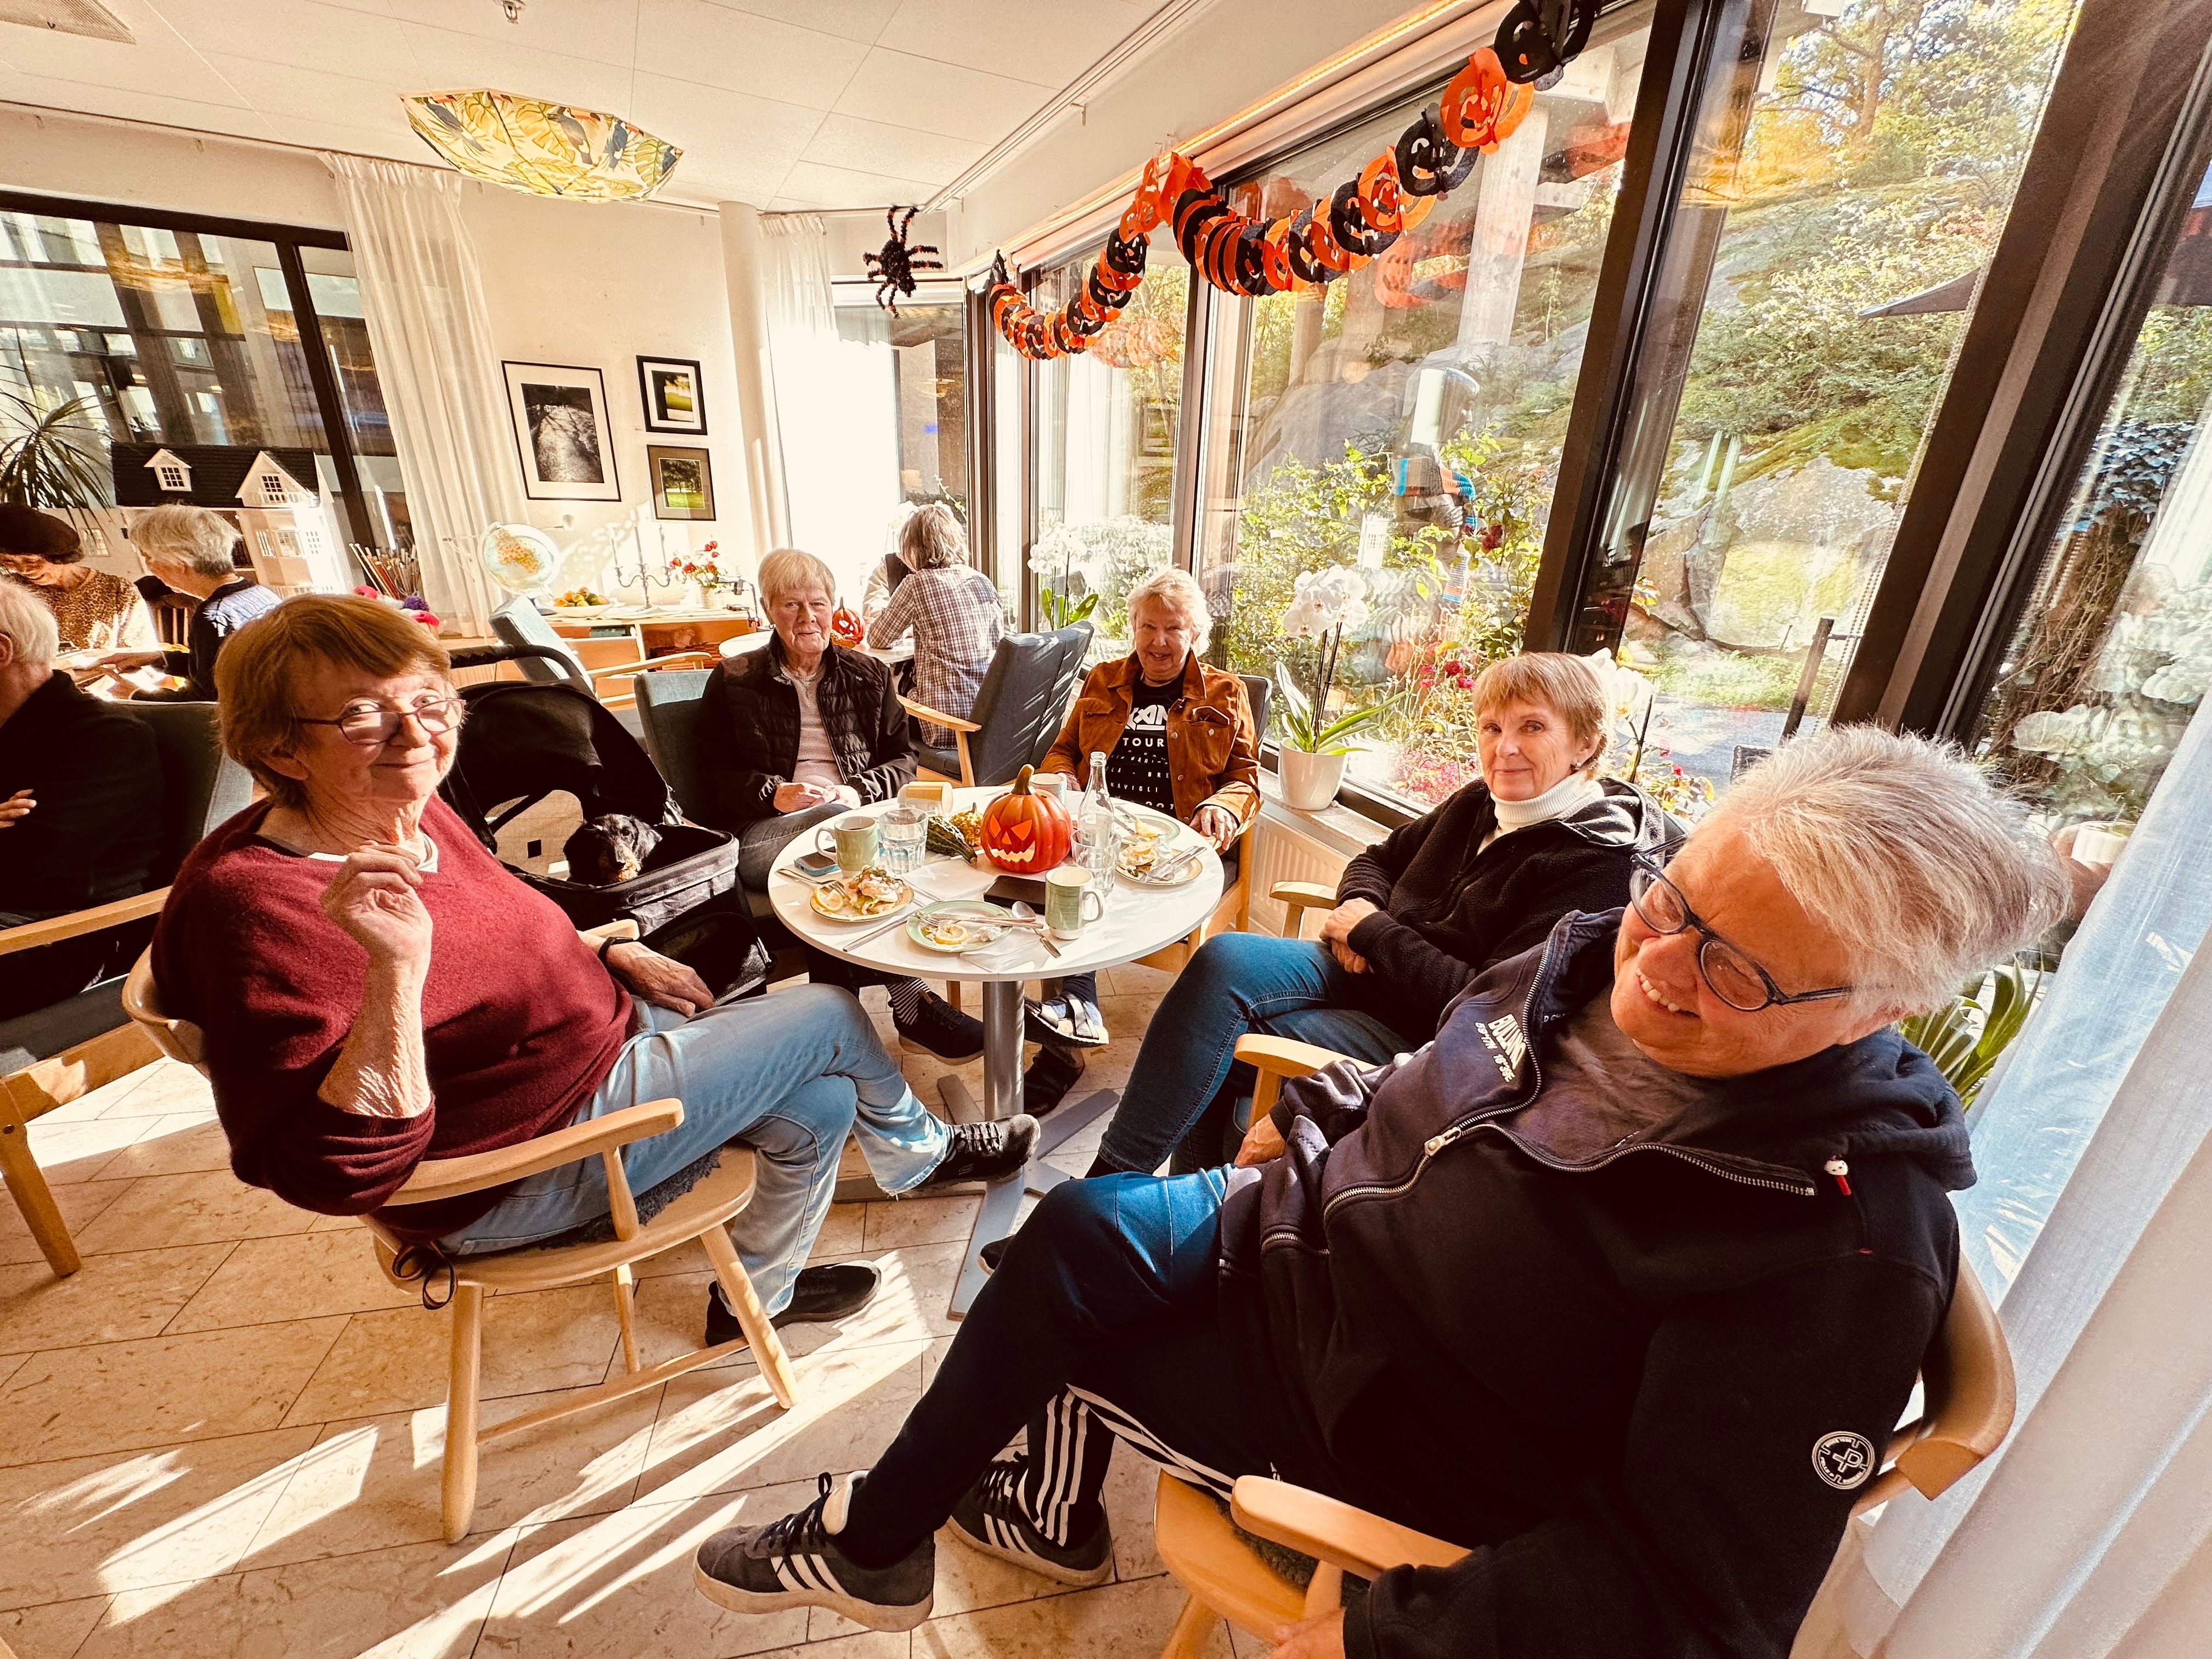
x,y
1480,878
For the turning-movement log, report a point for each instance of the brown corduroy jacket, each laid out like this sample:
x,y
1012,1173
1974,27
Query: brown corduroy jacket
x,y
1214,752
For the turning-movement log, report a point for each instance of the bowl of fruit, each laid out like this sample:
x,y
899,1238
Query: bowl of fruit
x,y
582,602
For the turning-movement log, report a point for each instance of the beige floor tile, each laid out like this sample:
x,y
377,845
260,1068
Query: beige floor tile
x,y
80,1202
862,1644
373,1483
57,1630
684,1258
968,1581
165,1087
422,1601
844,1232
1114,1622
176,1143
1129,980
299,1276
197,1207
397,1360
117,1396
77,1150
111,1298
622,1584
920,1221
126,1521
1132,1479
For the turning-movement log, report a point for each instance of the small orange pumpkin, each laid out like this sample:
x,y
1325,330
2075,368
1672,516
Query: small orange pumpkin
x,y
1026,832
845,628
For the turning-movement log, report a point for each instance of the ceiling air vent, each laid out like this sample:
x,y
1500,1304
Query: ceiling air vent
x,y
85,17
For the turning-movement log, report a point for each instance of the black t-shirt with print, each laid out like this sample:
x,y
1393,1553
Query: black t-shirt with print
x,y
1137,769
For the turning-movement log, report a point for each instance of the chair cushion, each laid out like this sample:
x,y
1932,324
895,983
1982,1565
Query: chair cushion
x,y
45,1032
944,761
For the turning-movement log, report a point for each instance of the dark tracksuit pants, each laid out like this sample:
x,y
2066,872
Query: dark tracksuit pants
x,y
1100,1324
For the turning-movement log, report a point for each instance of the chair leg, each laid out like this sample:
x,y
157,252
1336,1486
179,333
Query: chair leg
x,y
1325,1592
626,1311
768,1347
458,1500
27,1184
1193,1629
952,991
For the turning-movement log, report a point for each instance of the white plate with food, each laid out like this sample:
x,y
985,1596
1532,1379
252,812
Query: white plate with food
x,y
957,925
1154,840
868,895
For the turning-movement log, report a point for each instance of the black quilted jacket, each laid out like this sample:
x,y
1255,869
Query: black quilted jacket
x,y
748,730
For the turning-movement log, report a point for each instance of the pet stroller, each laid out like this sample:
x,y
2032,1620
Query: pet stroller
x,y
521,743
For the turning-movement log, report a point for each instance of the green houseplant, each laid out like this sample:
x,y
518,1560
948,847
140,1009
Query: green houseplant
x,y
45,462
1965,1037
1311,762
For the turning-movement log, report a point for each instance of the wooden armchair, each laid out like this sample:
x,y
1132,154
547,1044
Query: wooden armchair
x,y
1017,709
700,1213
1966,1388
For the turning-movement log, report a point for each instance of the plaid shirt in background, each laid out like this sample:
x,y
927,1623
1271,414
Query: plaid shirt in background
x,y
957,622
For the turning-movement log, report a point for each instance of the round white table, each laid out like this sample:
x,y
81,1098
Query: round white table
x,y
1138,921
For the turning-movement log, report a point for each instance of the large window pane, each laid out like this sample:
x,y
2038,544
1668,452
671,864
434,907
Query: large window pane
x,y
1407,418
1851,177
1109,421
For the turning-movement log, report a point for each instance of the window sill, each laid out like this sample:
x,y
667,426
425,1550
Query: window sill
x,y
1339,827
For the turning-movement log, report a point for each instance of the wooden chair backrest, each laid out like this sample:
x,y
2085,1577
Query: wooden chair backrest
x,y
1968,1396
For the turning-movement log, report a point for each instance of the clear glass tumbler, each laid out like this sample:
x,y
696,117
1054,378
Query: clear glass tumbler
x,y
904,829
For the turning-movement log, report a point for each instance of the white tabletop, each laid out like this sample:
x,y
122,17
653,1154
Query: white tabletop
x,y
1138,921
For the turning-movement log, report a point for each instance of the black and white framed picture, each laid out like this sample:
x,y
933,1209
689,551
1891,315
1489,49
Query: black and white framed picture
x,y
674,400
561,431
682,481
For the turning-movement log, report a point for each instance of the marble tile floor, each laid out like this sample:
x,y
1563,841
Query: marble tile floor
x,y
222,1435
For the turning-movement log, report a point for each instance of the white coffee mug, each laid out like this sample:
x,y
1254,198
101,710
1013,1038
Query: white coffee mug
x,y
1067,893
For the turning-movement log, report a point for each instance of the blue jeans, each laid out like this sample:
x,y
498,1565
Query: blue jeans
x,y
1101,1324
786,1075
1182,1093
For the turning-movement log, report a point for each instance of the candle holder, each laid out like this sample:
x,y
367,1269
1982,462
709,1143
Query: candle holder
x,y
644,576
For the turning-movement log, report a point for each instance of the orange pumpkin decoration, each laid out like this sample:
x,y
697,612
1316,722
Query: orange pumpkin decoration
x,y
845,628
1026,832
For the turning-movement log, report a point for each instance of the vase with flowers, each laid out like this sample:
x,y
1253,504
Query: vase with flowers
x,y
1311,762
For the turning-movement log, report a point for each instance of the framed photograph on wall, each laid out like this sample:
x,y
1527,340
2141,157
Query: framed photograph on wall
x,y
675,398
682,481
561,433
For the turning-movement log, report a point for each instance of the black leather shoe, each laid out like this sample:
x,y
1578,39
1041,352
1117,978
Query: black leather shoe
x,y
985,1152
942,1029
1049,1078
821,1294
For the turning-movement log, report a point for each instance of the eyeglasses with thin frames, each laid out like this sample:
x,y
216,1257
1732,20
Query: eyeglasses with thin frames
x,y
1732,976
369,725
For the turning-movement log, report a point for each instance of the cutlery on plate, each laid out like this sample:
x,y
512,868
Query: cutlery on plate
x,y
1044,938
1167,866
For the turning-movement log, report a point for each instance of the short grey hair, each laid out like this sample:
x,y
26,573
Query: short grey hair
x,y
1178,590
787,570
197,537
28,623
1903,850
930,539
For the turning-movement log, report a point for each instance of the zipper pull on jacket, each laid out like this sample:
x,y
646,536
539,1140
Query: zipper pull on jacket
x,y
1837,1167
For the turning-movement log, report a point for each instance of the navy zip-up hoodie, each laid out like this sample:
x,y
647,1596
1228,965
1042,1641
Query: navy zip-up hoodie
x,y
1643,1390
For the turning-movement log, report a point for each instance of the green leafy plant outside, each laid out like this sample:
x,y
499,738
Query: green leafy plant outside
x,y
1966,1036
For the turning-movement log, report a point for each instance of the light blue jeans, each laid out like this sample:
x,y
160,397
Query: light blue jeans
x,y
787,1075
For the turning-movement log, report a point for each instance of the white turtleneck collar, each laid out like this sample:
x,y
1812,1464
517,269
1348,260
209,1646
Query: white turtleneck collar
x,y
1563,799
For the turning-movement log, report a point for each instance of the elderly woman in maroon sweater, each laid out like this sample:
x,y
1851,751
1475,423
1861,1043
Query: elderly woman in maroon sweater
x,y
376,989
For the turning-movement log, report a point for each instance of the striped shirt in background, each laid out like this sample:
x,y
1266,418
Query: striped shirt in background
x,y
956,622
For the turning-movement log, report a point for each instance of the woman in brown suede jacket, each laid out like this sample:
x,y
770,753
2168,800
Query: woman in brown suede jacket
x,y
1178,738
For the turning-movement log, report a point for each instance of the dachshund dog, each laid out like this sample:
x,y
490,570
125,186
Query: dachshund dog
x,y
605,851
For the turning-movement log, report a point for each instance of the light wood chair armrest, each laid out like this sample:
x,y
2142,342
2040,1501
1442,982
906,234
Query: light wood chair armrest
x,y
1303,895
626,928
54,929
1333,1532
450,1177
678,659
922,711
1285,1057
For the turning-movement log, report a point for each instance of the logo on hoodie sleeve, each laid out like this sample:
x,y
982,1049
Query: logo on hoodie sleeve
x,y
1843,1458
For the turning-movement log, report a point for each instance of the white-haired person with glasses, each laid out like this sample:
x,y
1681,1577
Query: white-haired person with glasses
x,y
375,988
1621,1282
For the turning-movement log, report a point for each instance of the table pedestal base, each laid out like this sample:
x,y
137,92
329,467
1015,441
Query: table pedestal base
x,y
1002,1202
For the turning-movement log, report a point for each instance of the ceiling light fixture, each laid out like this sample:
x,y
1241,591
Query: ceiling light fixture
x,y
541,148
513,10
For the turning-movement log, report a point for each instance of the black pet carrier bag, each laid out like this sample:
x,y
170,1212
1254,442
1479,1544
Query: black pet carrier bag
x,y
521,743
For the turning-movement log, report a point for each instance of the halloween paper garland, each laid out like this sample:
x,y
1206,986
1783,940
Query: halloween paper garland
x,y
1339,233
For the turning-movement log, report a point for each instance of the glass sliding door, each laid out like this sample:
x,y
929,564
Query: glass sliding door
x,y
1854,164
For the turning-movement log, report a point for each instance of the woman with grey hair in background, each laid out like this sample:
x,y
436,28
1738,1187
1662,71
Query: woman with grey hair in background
x,y
951,609
190,550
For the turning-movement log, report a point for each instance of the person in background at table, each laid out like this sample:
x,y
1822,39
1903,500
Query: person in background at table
x,y
80,807
953,611
190,550
888,576
1178,738
798,733
94,611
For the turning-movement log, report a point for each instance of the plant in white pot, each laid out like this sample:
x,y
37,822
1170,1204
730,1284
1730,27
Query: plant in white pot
x,y
1323,604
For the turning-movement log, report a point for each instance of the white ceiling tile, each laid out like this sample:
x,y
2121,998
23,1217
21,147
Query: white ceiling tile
x,y
722,127
452,62
334,38
604,31
313,134
696,40
160,63
846,140
134,106
942,97
1012,37
727,179
276,90
853,19
842,187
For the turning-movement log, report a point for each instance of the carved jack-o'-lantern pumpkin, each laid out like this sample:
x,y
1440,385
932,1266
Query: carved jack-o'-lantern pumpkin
x,y
1026,832
845,628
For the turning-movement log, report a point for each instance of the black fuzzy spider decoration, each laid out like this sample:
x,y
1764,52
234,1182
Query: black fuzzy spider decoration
x,y
894,268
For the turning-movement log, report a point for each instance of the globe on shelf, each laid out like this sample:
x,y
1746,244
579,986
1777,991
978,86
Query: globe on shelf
x,y
519,557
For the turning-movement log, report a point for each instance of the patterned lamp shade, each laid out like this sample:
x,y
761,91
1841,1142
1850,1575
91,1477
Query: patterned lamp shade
x,y
543,148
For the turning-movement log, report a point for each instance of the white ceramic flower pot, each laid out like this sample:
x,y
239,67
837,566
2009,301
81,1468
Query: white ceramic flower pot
x,y
1309,781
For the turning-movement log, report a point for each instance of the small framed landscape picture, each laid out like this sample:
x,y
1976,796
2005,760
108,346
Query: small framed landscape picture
x,y
674,400
561,433
682,481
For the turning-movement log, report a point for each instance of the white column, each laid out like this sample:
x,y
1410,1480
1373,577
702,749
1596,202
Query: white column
x,y
767,519
1504,211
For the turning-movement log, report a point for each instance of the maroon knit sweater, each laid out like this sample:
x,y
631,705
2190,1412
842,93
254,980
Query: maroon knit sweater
x,y
520,1021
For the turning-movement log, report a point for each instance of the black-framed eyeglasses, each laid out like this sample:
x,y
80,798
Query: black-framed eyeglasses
x,y
1733,977
369,723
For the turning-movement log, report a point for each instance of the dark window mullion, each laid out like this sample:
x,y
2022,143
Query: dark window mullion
x,y
322,374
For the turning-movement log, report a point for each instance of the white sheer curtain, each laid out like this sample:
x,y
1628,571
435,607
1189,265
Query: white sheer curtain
x,y
2086,1534
429,326
835,409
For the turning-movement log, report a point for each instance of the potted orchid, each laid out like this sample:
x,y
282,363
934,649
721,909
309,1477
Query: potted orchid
x,y
1323,604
